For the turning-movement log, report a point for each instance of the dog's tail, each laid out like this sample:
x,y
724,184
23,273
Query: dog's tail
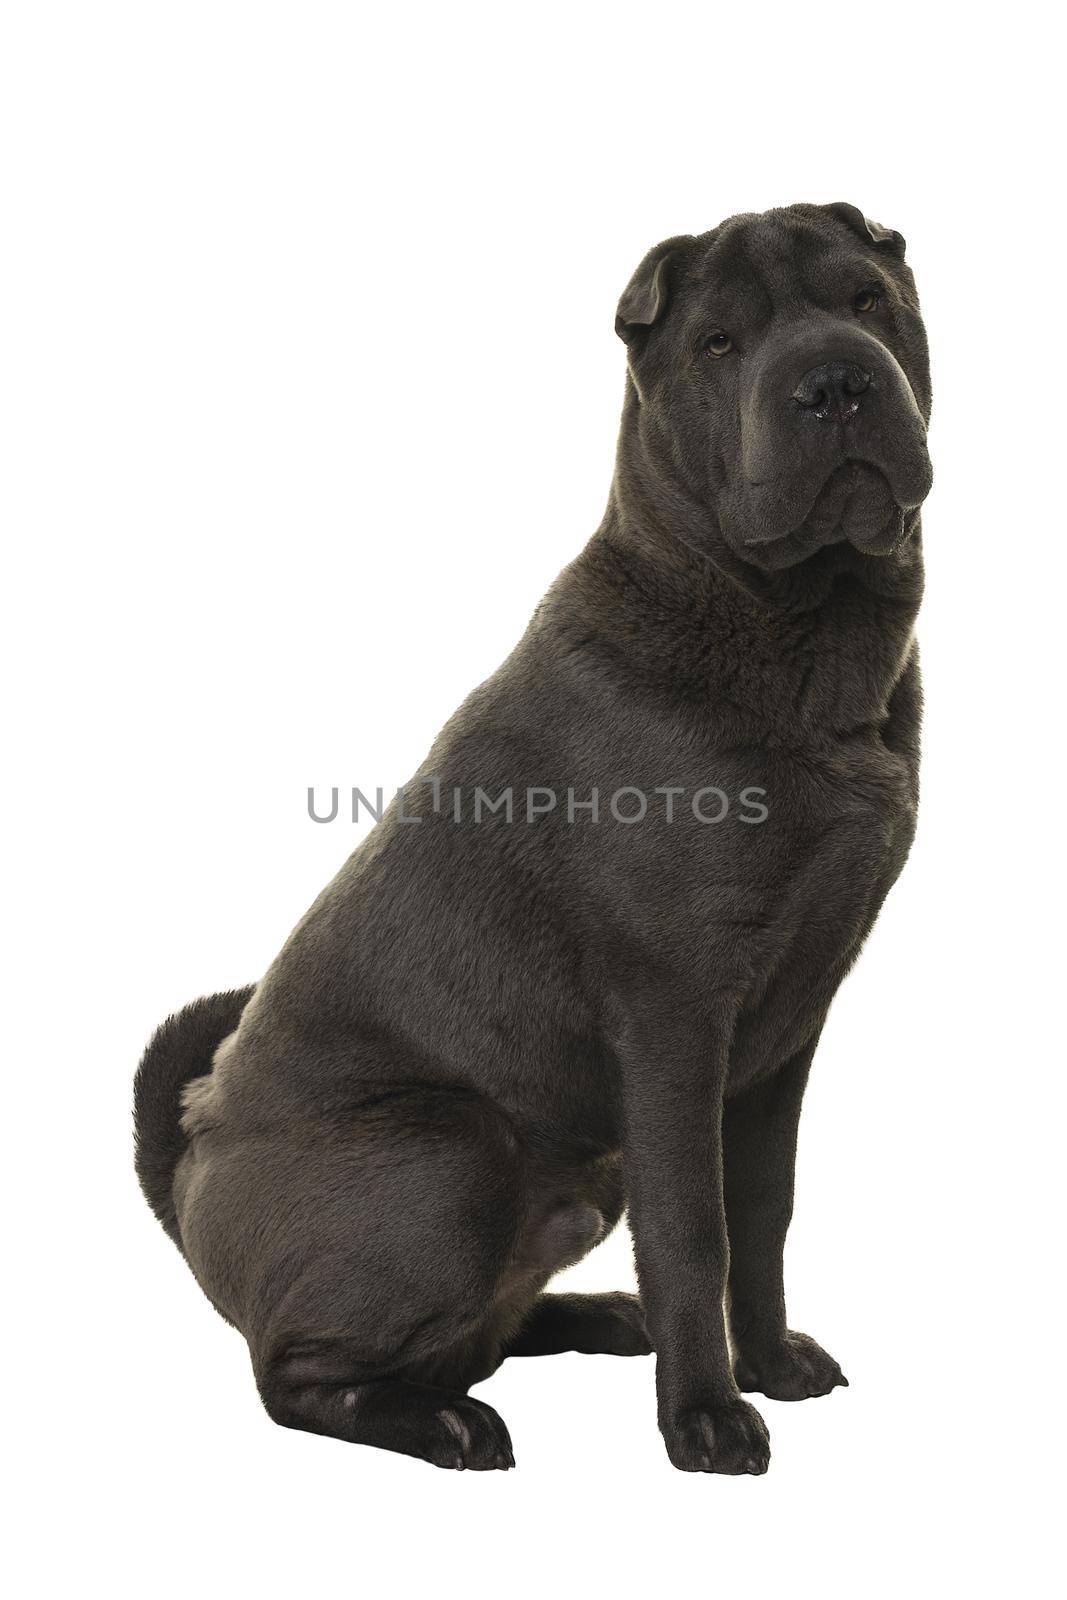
x,y
181,1049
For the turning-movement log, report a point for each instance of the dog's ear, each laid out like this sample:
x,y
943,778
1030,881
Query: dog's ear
x,y
646,296
870,232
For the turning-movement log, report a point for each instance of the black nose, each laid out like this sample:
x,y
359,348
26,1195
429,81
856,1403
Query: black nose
x,y
832,390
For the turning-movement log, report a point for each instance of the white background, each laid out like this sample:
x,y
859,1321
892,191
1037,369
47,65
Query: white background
x,y
309,389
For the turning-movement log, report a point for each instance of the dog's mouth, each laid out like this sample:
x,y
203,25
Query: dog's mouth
x,y
855,503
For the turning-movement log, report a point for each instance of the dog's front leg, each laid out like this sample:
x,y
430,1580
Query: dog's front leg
x,y
673,1067
759,1151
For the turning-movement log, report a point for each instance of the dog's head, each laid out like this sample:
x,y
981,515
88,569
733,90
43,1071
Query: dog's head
x,y
781,380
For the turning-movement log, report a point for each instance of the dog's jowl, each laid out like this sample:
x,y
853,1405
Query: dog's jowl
x,y
492,1034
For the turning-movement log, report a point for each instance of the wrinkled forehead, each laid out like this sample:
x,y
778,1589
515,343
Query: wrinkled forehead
x,y
760,264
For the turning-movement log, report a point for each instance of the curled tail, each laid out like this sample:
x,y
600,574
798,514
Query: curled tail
x,y
182,1048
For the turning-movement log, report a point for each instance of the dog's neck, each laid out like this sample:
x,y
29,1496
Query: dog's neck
x,y
813,650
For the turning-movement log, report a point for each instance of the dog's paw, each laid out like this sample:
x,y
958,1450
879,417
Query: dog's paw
x,y
795,1368
624,1332
729,1438
469,1434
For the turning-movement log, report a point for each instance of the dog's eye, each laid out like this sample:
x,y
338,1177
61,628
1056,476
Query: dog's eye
x,y
866,300
718,344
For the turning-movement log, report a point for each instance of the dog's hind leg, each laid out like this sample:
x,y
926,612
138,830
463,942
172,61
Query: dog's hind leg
x,y
363,1263
593,1324
443,1426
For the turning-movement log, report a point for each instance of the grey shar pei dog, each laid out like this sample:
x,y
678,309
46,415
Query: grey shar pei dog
x,y
492,1033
